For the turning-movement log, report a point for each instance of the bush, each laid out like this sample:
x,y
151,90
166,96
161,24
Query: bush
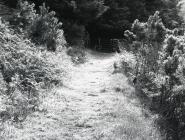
x,y
172,99
24,15
46,29
24,69
42,28
160,70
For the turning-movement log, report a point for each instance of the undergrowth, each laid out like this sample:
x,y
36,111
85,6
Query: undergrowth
x,y
157,71
24,70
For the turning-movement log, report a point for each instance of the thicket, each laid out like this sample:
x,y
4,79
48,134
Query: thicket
x,y
159,71
25,67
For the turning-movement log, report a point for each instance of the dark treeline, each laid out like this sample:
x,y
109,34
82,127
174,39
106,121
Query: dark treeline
x,y
106,19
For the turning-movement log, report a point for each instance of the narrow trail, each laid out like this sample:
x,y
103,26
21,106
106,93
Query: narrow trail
x,y
93,105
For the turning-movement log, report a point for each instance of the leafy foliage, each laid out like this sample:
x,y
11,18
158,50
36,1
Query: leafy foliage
x,y
172,90
24,70
24,15
46,29
159,70
107,19
147,39
76,14
42,28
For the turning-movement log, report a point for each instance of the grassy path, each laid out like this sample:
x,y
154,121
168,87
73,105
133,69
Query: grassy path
x,y
93,105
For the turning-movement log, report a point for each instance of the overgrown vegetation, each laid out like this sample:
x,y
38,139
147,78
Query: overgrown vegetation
x,y
42,27
157,47
25,67
158,70
106,19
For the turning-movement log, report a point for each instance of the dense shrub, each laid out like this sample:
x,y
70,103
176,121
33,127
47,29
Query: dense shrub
x,y
146,40
24,70
46,29
24,15
159,71
41,26
172,68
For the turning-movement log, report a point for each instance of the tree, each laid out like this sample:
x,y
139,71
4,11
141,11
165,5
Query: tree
x,y
109,18
118,17
147,39
75,15
170,13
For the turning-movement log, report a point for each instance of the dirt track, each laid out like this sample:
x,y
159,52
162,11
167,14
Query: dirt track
x,y
93,105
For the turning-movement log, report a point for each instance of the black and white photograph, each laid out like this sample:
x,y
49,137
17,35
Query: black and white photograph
x,y
92,69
